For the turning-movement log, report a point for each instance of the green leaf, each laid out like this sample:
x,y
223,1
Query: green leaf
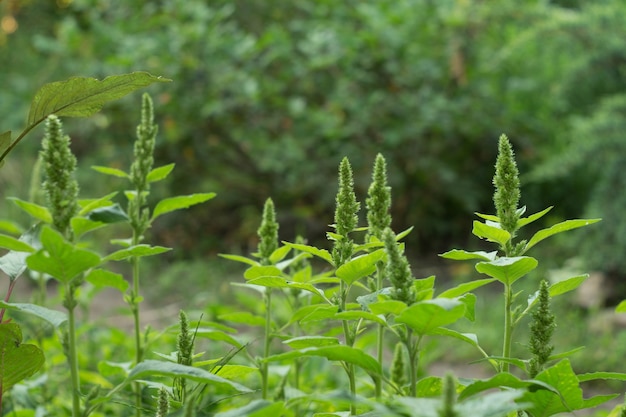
x,y
491,233
135,251
181,202
490,217
55,318
262,271
462,255
11,243
429,386
270,282
257,408
160,173
310,341
592,376
320,253
469,338
87,205
507,270
465,287
388,307
81,225
621,307
558,228
60,259
239,258
108,214
83,97
11,227
13,263
315,312
110,171
359,267
425,316
279,254
149,368
527,220
334,353
104,278
34,210
502,380
19,361
567,285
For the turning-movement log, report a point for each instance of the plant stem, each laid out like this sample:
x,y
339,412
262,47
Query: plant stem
x,y
134,308
508,327
266,348
349,340
380,331
72,356
413,351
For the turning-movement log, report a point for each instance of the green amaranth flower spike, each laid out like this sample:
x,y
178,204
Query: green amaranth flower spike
x,y
142,165
163,405
60,186
449,397
378,201
541,330
506,181
268,233
398,375
346,218
398,270
184,352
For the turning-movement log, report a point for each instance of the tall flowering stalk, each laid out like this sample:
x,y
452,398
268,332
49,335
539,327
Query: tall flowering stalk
x,y
268,243
61,190
541,330
378,204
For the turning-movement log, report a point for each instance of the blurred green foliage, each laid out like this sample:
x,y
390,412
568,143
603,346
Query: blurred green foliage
x,y
270,95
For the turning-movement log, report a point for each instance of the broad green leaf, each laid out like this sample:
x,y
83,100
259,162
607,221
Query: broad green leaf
x,y
469,300
507,270
88,205
181,202
13,263
429,386
81,225
110,171
493,404
104,278
367,299
491,233
11,243
465,287
257,408
425,316
34,210
334,353
359,267
527,220
262,271
469,338
424,288
388,307
567,285
358,315
235,371
320,253
135,251
558,228
55,318
243,317
462,255
310,341
108,214
60,259
19,361
279,254
149,368
502,380
83,97
160,173
314,312
239,258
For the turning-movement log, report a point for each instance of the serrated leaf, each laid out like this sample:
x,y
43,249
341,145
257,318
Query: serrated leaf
x,y
181,202
55,318
174,370
567,285
310,341
320,253
83,97
19,361
465,287
60,259
104,278
558,228
491,233
334,353
135,251
507,270
109,214
425,316
110,171
463,255
34,210
160,173
359,267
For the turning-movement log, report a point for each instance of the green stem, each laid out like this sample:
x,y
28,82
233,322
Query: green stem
x,y
380,331
72,356
134,308
413,351
508,326
268,339
349,340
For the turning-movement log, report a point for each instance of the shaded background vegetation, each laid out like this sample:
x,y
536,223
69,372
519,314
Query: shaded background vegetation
x,y
268,96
